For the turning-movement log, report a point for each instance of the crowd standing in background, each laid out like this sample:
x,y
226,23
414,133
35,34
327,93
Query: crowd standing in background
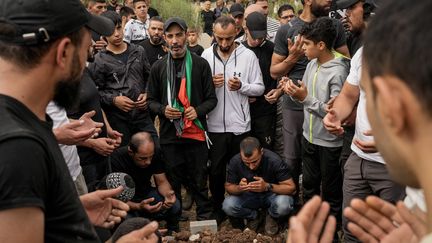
x,y
312,123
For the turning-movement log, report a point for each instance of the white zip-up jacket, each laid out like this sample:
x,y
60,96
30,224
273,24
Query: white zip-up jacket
x,y
232,111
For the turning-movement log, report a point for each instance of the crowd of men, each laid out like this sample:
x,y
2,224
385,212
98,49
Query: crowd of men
x,y
316,121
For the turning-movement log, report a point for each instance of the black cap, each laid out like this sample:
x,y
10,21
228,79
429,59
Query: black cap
x,y
344,4
236,9
175,20
34,22
256,23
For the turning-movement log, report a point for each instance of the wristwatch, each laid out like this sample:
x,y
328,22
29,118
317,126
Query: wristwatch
x,y
269,187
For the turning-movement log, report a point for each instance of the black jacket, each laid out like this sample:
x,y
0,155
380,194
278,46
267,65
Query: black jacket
x,y
115,78
203,95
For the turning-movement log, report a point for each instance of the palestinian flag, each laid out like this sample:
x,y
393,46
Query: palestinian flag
x,y
189,129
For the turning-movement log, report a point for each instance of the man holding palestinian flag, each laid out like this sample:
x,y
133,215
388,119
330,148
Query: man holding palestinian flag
x,y
181,93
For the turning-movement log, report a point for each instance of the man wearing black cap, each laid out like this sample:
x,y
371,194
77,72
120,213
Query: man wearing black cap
x,y
237,12
262,108
43,49
181,93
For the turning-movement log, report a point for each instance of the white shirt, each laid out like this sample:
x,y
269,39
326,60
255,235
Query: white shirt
x,y
70,152
135,30
415,197
362,122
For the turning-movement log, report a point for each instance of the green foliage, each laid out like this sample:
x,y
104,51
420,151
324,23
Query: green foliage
x,y
179,8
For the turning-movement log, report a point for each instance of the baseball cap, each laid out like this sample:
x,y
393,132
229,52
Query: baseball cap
x,y
175,20
344,4
256,23
236,9
34,22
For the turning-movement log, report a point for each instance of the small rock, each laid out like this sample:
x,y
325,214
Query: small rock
x,y
194,237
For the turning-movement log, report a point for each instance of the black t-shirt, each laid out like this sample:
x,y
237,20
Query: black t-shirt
x,y
197,49
154,52
208,19
152,12
290,31
89,100
33,173
121,161
124,56
111,8
264,54
272,169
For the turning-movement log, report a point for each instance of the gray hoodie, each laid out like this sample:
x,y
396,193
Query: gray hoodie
x,y
323,82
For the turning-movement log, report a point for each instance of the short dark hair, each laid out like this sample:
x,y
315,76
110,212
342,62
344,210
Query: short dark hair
x,y
139,139
284,8
113,16
194,29
126,11
401,46
94,2
224,21
157,19
321,29
29,56
249,145
136,1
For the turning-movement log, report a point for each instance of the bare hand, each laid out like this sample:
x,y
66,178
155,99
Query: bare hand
x,y
366,146
116,136
89,123
332,123
218,80
146,234
298,93
273,95
308,224
172,113
295,49
259,185
102,209
243,185
70,135
375,220
330,103
100,44
190,113
234,84
124,103
169,201
141,102
103,146
145,205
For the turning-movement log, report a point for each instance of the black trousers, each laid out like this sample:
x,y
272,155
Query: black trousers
x,y
132,125
322,175
225,146
187,165
263,128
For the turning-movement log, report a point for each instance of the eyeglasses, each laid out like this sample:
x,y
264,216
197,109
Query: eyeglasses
x,y
288,16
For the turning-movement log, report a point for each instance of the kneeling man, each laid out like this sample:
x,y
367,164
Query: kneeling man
x,y
258,181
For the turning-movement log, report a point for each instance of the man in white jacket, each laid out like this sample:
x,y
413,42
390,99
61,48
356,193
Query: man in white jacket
x,y
236,76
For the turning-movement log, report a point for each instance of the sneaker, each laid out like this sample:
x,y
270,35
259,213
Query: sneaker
x,y
187,201
271,225
253,224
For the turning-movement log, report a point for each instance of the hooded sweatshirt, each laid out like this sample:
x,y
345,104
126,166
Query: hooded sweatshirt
x,y
323,82
232,111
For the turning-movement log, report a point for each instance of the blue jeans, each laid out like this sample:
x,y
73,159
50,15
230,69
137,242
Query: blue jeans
x,y
246,204
171,216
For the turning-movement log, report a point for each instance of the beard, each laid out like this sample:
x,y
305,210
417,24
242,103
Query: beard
x,y
156,40
225,49
67,91
318,11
